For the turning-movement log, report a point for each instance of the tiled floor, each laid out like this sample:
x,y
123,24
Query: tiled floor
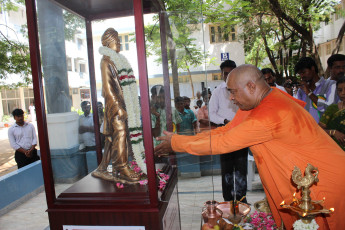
x,y
193,192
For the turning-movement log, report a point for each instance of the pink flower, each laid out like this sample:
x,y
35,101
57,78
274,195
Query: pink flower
x,y
119,185
143,182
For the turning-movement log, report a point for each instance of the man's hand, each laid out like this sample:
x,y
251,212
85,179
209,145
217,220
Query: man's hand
x,y
83,129
305,87
28,153
164,148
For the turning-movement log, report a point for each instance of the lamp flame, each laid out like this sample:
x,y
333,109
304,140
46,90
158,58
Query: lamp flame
x,y
304,214
282,203
324,198
331,209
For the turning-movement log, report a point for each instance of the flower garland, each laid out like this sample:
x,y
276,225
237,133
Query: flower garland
x,y
261,220
299,225
130,94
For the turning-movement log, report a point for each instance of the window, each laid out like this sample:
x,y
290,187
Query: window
x,y
182,79
82,68
216,76
69,64
85,94
79,43
220,34
10,100
76,65
74,91
124,40
28,92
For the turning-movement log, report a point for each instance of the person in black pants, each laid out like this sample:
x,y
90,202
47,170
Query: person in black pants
x,y
234,174
23,139
233,165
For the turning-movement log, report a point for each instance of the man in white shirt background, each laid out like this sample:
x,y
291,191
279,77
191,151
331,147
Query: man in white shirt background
x,y
233,165
23,140
86,128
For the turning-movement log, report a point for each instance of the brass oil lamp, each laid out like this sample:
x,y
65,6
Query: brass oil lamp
x,y
305,207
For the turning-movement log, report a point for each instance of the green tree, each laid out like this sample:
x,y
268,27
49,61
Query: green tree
x,y
182,19
282,28
15,54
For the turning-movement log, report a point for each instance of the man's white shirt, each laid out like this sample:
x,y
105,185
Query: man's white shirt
x,y
22,136
88,138
220,106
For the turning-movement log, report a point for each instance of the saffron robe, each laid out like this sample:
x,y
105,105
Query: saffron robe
x,y
281,134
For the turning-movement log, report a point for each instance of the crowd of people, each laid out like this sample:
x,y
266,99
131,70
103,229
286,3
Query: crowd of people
x,y
298,123
283,126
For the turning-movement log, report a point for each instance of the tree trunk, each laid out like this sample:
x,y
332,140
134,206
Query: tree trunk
x,y
339,39
173,61
190,80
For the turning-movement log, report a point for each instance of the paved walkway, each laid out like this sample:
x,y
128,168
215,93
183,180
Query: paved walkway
x,y
193,193
7,162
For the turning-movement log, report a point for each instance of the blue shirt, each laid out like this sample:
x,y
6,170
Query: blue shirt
x,y
326,95
186,126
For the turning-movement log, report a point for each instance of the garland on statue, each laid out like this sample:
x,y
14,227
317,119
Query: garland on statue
x,y
299,225
130,93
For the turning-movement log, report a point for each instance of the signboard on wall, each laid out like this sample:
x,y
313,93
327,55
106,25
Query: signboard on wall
x,y
224,56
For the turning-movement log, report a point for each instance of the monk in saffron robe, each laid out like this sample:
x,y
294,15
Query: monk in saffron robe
x,y
281,134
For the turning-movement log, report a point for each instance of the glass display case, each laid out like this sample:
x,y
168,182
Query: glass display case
x,y
109,77
97,115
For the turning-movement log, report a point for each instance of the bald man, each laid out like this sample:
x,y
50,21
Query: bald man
x,y
281,135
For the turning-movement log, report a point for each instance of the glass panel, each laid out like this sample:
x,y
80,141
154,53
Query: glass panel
x,y
64,57
189,81
194,52
118,93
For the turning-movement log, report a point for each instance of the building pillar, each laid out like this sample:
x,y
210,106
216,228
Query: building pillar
x,y
68,164
22,100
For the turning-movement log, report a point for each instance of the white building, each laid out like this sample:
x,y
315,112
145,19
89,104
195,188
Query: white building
x,y
208,37
326,36
77,66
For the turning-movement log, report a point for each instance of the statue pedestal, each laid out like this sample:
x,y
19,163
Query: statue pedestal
x,y
69,165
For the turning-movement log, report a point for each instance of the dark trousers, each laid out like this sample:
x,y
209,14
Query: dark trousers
x,y
234,174
22,160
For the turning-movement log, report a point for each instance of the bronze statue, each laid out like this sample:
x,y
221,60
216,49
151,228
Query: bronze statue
x,y
115,127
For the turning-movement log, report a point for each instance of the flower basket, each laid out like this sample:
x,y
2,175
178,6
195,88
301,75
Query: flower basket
x,y
261,221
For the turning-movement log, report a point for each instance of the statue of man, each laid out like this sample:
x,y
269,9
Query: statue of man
x,y
115,127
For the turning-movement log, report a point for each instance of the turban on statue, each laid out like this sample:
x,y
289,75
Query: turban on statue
x,y
109,35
